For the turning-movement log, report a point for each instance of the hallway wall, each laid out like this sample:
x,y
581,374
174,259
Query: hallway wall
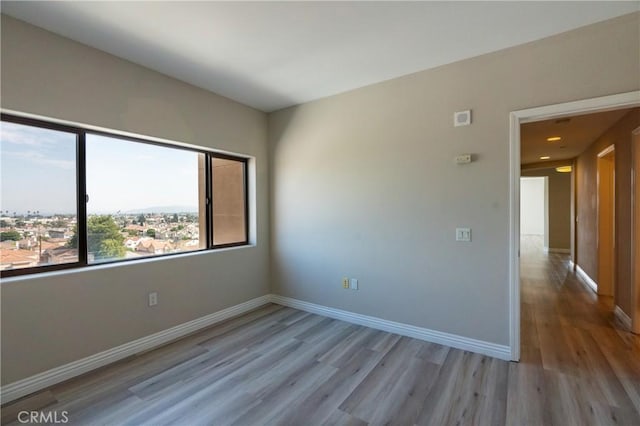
x,y
586,186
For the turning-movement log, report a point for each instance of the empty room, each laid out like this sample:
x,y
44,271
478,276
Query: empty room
x,y
320,213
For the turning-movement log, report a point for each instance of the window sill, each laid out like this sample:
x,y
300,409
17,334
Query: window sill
x,y
121,264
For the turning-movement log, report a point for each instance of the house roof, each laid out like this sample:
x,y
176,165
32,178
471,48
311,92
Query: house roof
x,y
9,244
17,256
155,244
50,244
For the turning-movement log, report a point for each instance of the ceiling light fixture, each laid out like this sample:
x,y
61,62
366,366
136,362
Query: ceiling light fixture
x,y
546,157
554,139
564,169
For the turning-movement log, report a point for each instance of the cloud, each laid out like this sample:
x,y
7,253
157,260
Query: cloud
x,y
19,138
39,158
18,134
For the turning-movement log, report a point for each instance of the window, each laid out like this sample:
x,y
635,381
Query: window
x,y
229,201
139,198
39,197
143,199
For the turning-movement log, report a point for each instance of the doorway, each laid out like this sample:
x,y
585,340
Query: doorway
x,y
558,111
606,221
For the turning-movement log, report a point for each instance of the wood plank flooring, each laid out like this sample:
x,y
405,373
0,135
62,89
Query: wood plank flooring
x,y
281,366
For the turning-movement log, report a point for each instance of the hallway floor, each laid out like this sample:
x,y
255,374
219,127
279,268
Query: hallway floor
x,y
578,365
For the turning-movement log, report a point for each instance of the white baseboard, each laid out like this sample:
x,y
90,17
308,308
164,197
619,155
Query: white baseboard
x,y
623,317
587,279
59,374
56,375
559,250
455,341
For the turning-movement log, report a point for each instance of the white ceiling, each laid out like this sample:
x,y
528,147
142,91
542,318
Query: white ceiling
x,y
271,55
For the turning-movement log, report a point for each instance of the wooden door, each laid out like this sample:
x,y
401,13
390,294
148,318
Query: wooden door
x,y
606,222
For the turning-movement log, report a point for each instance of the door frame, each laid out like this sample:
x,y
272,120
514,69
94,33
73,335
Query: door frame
x,y
635,243
516,118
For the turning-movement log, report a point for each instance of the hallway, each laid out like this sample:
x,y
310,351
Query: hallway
x,y
578,365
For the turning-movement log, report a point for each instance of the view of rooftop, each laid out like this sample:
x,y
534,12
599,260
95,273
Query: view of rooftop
x,y
34,240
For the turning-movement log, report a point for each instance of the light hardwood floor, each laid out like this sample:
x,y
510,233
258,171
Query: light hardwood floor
x,y
282,366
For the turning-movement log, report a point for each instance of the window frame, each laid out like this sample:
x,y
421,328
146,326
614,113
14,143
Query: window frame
x,y
82,196
245,186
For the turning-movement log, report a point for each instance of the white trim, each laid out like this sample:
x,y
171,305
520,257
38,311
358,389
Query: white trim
x,y
59,374
453,340
623,317
558,250
604,103
56,375
587,279
607,150
514,236
121,264
583,106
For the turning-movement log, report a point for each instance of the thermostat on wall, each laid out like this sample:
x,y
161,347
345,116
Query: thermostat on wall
x,y
462,118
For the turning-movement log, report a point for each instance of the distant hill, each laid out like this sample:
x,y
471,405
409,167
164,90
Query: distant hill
x,y
164,209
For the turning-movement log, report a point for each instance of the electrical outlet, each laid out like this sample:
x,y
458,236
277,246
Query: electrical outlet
x,y
153,298
345,282
354,283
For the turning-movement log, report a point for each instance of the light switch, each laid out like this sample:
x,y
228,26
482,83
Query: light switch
x,y
463,234
354,283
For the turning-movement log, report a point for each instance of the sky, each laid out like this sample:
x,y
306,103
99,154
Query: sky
x,y
38,172
124,176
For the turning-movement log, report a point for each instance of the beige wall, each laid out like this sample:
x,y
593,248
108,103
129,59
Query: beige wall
x,y
363,183
54,319
358,190
586,185
559,207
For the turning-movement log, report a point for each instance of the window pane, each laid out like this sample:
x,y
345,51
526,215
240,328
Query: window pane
x,y
228,202
38,204
144,199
